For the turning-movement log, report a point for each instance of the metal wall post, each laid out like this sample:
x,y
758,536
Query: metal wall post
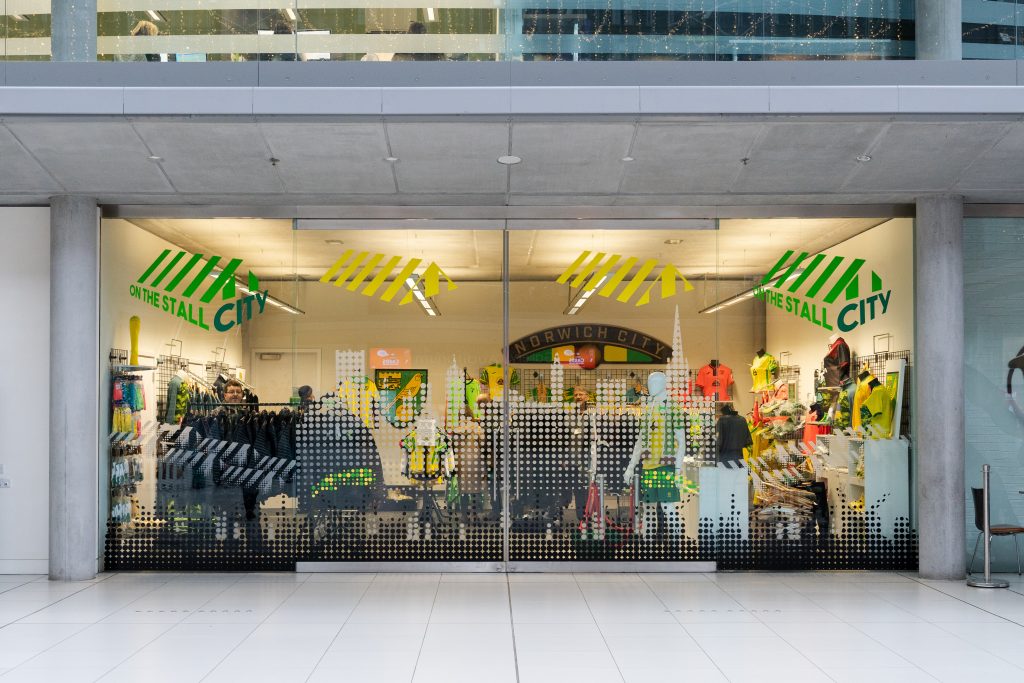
x,y
986,530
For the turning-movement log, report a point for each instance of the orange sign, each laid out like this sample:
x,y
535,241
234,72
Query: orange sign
x,y
390,358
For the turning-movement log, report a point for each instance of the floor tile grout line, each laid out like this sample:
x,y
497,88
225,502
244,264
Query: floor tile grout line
x,y
419,653
170,625
86,627
868,635
598,625
959,599
512,626
781,637
683,626
343,624
255,628
78,592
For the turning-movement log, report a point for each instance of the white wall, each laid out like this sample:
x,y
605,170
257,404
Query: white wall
x,y
24,420
889,251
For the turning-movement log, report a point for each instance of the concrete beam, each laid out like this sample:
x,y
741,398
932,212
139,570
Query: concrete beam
x,y
938,377
74,387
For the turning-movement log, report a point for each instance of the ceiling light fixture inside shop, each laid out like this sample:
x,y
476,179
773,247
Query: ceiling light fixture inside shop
x,y
270,299
743,296
428,306
582,297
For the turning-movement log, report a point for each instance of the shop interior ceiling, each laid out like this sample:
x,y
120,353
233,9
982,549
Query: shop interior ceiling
x,y
739,248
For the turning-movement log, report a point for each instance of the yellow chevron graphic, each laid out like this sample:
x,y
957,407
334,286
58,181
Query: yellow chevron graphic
x,y
598,269
352,269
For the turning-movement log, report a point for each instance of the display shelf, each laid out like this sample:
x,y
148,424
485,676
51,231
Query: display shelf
x,y
131,368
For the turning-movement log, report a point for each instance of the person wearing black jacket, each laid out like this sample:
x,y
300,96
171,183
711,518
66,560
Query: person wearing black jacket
x,y
733,436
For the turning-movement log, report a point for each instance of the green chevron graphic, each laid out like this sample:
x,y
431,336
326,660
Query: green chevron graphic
x,y
821,280
205,278
848,283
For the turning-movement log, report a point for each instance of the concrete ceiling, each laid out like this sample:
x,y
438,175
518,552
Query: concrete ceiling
x,y
737,249
731,161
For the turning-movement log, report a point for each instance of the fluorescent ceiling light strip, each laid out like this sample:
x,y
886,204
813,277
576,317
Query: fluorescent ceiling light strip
x,y
291,13
273,301
582,297
428,306
743,296
154,15
430,14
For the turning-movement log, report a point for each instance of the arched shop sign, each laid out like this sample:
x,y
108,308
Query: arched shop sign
x,y
588,345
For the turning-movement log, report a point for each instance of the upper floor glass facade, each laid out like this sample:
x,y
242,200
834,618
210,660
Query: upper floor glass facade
x,y
509,30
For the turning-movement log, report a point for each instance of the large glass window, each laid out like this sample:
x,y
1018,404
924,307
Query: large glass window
x,y
993,380
723,391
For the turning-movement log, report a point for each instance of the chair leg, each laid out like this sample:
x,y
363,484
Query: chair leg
x,y
970,567
1017,548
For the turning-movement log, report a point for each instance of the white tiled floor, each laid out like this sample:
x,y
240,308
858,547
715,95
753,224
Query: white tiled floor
x,y
760,627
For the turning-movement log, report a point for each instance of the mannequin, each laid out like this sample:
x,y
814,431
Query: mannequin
x,y
876,413
837,362
763,370
861,394
659,453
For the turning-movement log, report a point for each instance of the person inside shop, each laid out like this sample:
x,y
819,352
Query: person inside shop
x,y
234,398
282,27
582,433
305,396
733,435
143,28
417,28
234,392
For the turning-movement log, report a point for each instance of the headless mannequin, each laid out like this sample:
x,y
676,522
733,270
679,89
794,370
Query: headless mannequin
x,y
656,404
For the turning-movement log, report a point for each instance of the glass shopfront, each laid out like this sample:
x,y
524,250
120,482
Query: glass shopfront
x,y
730,391
993,382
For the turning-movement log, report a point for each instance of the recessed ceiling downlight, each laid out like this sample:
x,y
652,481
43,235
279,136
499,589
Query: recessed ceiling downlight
x,y
509,160
863,158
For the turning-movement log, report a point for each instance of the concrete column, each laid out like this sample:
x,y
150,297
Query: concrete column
x,y
74,387
73,30
938,374
937,29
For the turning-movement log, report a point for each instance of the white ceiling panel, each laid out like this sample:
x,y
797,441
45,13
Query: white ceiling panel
x,y
805,157
20,172
923,156
683,159
561,158
101,157
449,158
344,158
211,157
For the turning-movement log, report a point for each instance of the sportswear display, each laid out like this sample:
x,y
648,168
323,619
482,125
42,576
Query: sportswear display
x,y
876,413
714,381
837,364
762,372
861,395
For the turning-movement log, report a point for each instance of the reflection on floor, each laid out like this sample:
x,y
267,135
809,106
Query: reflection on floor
x,y
847,626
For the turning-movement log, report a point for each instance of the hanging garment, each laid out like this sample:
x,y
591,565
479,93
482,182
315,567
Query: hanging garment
x,y
427,461
714,381
762,372
468,445
837,364
173,388
859,396
876,413
361,397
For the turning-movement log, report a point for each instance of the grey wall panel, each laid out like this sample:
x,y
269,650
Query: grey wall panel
x,y
200,101
316,101
61,101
